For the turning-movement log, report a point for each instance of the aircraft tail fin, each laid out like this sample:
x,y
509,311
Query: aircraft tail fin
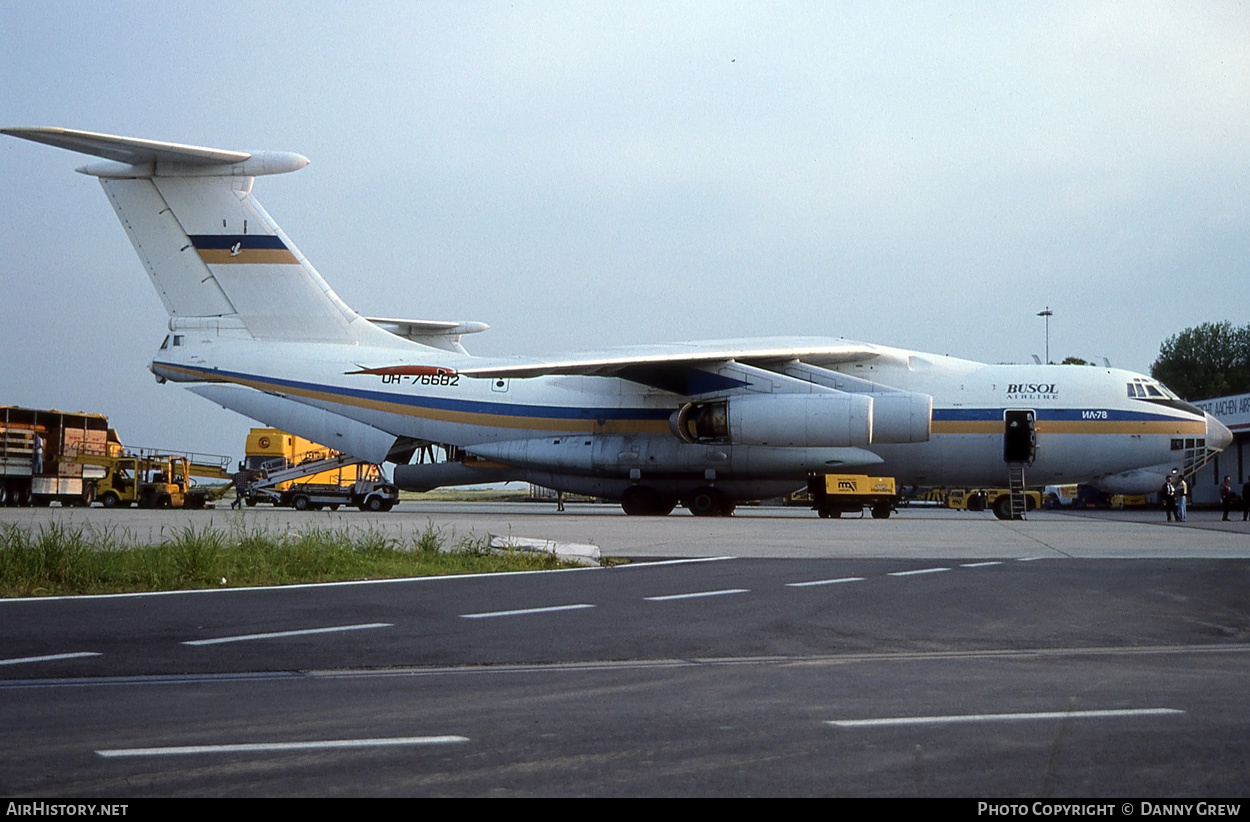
x,y
215,256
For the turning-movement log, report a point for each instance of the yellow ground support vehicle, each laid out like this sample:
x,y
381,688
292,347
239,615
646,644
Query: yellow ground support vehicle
x,y
270,450
295,472
154,480
836,494
992,499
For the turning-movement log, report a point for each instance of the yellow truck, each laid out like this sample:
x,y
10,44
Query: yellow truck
x,y
989,499
836,494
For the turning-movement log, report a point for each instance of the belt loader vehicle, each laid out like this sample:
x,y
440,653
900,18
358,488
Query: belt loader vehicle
x,y
285,469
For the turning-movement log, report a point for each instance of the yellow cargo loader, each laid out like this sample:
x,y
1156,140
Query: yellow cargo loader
x,y
836,494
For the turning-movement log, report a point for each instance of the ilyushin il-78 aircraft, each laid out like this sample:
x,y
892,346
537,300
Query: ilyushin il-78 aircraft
x,y
254,328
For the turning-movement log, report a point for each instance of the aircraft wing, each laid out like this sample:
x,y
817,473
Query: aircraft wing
x,y
621,362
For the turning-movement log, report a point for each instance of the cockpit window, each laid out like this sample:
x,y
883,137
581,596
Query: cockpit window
x,y
1143,388
1158,393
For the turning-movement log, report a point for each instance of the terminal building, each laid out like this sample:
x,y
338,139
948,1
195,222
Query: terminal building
x,y
1234,412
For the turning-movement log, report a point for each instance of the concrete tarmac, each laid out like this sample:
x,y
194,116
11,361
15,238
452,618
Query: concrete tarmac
x,y
762,532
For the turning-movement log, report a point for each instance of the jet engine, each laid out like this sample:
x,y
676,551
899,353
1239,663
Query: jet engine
x,y
835,419
832,420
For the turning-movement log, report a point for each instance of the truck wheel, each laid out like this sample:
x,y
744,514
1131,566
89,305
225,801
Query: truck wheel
x,y
109,500
300,503
164,502
4,494
881,510
373,504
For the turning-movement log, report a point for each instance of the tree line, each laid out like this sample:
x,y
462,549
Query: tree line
x,y
1208,360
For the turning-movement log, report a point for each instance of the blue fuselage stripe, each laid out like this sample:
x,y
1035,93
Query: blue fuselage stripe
x,y
555,413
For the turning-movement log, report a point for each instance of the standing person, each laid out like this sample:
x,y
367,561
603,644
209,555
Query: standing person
x,y
559,500
240,487
1182,488
1167,496
38,461
1226,496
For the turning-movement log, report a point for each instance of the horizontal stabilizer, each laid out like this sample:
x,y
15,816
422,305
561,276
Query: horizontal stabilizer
x,y
148,158
444,334
126,149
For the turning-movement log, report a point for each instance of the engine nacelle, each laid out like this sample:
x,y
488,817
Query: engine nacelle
x,y
901,417
833,420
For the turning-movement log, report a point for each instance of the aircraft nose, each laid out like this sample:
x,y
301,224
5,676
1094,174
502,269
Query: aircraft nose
x,y
1218,435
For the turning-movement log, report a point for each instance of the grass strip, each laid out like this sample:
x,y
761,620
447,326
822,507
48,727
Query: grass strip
x,y
59,559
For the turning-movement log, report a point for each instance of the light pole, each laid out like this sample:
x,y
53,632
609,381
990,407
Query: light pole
x,y
1047,314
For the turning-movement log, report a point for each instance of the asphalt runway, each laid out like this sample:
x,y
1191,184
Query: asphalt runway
x,y
936,653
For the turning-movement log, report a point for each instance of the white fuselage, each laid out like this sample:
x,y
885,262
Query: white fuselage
x,y
608,432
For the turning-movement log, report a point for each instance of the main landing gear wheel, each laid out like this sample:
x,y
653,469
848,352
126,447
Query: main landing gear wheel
x,y
646,502
708,502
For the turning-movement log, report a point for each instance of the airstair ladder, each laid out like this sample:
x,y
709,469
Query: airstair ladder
x,y
1015,484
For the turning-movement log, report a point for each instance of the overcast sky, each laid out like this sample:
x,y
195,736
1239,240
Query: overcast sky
x,y
926,175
